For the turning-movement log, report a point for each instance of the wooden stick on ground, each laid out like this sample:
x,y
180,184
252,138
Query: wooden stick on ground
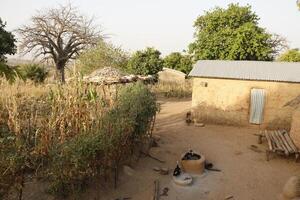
x,y
156,190
154,158
152,125
260,136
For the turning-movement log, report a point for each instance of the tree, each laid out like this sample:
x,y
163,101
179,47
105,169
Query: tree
x,y
7,46
59,34
292,55
9,73
147,62
298,3
233,34
7,42
103,55
179,62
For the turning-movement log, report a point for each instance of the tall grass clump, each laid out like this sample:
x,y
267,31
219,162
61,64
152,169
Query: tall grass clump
x,y
173,89
34,72
69,134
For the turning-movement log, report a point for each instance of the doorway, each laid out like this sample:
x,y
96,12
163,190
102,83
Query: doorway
x,y
257,104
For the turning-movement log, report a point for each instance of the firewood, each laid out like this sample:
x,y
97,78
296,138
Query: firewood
x,y
154,158
156,190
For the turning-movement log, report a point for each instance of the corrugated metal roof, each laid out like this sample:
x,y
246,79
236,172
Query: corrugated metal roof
x,y
248,70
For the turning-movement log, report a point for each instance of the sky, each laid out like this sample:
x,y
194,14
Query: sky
x,y
164,24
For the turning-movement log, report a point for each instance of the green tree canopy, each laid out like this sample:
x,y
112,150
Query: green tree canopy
x,y
292,55
146,62
7,42
233,34
179,62
103,55
7,46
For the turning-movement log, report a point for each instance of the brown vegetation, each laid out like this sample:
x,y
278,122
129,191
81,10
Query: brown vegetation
x,y
69,134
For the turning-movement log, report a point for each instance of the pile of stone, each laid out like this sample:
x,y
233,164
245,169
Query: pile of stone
x,y
291,189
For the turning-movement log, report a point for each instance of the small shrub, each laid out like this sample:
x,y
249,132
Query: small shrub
x,y
9,73
145,62
35,73
103,55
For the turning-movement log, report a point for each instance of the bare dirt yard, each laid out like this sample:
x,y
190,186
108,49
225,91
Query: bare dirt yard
x,y
245,175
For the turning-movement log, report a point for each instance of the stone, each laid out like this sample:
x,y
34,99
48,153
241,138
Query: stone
x,y
128,170
199,124
292,188
157,169
154,143
156,152
164,171
156,137
228,197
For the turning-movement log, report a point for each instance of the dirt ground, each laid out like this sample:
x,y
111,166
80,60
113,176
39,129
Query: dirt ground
x,y
245,175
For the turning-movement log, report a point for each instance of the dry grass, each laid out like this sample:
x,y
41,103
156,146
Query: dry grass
x,y
69,133
173,89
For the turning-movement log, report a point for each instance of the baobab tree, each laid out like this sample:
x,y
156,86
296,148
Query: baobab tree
x,y
59,34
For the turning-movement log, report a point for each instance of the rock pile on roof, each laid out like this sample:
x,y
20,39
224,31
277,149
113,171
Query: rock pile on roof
x,y
110,75
106,74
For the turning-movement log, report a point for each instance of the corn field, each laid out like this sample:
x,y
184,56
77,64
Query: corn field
x,y
69,134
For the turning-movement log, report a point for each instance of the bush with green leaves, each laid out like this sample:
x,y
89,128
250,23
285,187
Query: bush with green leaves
x,y
103,55
104,145
233,33
292,55
35,73
9,73
179,62
7,46
7,42
146,62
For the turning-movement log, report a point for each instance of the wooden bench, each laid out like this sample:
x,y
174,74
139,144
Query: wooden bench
x,y
279,142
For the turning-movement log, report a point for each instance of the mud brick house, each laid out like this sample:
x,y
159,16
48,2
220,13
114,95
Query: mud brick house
x,y
245,93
